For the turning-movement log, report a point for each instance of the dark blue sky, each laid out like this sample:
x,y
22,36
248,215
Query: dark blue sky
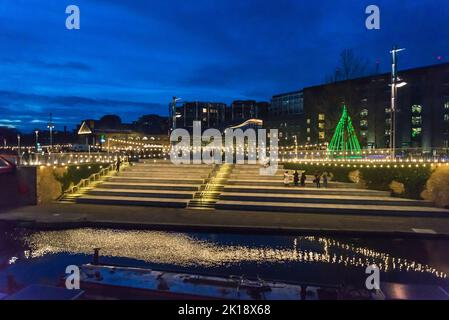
x,y
130,57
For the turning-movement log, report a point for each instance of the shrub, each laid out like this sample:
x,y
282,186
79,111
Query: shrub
x,y
413,179
337,173
355,176
397,187
74,174
437,187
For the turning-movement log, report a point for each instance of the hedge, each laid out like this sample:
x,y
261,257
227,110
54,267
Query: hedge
x,y
414,179
74,174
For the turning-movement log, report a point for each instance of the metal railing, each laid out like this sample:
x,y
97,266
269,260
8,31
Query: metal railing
x,y
35,159
92,178
403,154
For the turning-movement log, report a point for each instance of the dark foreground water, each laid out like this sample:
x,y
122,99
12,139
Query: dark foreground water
x,y
41,257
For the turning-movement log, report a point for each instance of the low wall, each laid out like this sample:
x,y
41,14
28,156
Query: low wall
x,y
40,185
48,188
18,187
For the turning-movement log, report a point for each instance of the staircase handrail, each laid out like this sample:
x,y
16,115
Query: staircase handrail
x,y
86,181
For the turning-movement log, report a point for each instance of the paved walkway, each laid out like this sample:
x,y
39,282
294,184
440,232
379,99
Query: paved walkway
x,y
83,215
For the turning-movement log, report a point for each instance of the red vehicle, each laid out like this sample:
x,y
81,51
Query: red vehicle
x,y
6,166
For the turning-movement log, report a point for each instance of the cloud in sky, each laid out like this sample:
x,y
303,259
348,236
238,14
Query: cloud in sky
x,y
131,57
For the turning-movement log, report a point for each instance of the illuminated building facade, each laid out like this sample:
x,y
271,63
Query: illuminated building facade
x,y
286,114
109,130
219,115
242,110
422,118
210,114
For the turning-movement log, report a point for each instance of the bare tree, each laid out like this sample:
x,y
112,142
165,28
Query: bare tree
x,y
350,67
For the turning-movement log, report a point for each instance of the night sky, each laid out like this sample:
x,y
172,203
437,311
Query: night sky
x,y
130,57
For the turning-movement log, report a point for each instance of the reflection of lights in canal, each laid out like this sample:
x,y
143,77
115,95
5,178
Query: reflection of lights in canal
x,y
184,250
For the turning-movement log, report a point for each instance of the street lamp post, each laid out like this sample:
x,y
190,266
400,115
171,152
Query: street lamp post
x,y
173,112
394,87
19,153
51,127
296,146
37,139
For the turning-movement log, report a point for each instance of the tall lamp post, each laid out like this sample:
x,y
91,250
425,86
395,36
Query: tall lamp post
x,y
296,146
18,148
395,84
173,112
37,140
51,126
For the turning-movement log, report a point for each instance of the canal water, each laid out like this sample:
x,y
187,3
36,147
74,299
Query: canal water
x,y
40,257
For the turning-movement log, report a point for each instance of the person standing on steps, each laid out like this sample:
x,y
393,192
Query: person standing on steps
x,y
318,180
303,179
286,179
296,178
325,178
119,162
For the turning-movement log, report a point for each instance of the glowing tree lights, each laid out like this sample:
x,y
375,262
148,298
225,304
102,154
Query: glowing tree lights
x,y
344,142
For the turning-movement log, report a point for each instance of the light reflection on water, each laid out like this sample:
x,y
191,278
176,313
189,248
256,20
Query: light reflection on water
x,y
186,250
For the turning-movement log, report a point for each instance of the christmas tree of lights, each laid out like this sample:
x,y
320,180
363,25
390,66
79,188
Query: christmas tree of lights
x,y
344,142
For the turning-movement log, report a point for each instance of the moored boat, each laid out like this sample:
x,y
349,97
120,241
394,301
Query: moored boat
x,y
102,281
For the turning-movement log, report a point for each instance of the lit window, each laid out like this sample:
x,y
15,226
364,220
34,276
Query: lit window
x,y
446,117
308,139
416,108
387,110
363,133
416,132
321,117
417,121
321,135
364,113
308,121
446,105
364,123
204,110
387,132
308,130
321,125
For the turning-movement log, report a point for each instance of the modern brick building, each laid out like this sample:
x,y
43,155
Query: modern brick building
x,y
422,111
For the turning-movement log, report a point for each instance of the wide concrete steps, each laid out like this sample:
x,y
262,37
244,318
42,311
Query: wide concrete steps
x,y
134,201
171,180
168,169
142,193
280,182
149,186
321,199
172,166
168,174
347,209
160,184
256,176
306,190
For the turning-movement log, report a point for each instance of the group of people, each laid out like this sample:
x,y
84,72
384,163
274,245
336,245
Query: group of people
x,y
301,180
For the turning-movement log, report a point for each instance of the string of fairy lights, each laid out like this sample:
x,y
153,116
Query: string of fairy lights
x,y
295,154
385,262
